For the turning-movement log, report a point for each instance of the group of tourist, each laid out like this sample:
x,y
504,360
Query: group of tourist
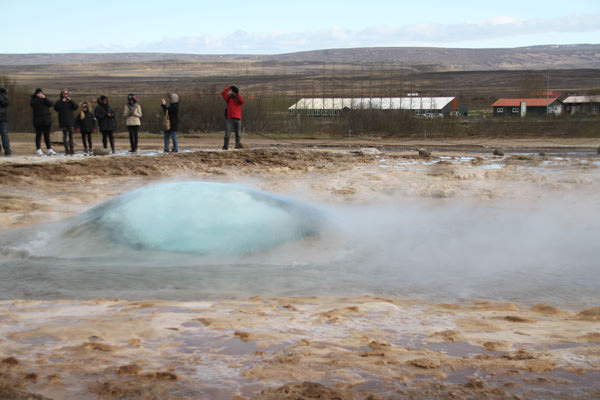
x,y
74,117
86,121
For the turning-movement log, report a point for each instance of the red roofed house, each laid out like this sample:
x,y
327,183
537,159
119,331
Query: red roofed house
x,y
551,94
527,106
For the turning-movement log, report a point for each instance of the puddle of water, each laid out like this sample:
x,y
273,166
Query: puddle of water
x,y
488,166
39,340
237,347
457,349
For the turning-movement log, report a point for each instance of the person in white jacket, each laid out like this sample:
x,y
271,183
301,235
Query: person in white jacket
x,y
133,113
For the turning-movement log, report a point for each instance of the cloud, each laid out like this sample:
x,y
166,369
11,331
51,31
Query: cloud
x,y
420,34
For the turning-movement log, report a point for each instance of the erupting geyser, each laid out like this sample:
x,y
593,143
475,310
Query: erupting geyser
x,y
200,218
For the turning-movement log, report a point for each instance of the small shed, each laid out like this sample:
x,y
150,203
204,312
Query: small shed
x,y
582,104
519,107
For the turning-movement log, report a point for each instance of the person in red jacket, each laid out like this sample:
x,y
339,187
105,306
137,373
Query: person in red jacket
x,y
234,100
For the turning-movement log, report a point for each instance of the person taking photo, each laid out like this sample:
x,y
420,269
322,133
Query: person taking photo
x,y
233,115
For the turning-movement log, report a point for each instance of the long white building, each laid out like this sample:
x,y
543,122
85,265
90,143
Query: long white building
x,y
426,106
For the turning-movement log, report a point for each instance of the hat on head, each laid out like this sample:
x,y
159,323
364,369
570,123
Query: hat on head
x,y
130,97
174,98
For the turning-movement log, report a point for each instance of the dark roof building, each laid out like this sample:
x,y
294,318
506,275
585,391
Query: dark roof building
x,y
520,107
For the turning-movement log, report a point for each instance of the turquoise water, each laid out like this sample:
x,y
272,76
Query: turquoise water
x,y
199,218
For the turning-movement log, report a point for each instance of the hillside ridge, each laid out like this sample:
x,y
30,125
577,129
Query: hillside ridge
x,y
579,56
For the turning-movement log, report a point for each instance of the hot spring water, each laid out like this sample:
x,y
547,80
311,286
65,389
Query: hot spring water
x,y
199,241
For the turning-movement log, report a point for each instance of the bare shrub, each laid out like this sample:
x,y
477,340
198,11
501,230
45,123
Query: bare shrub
x,y
19,111
383,122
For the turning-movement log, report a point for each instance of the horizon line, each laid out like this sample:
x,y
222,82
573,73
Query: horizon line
x,y
302,51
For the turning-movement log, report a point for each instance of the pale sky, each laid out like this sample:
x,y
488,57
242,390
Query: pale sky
x,y
280,26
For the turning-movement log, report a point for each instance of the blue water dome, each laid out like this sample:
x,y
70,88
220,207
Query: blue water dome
x,y
202,218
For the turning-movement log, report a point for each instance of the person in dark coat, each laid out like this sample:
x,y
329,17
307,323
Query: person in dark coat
x,y
86,124
4,122
65,107
107,124
42,120
173,112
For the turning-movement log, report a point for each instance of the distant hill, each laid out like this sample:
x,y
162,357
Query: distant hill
x,y
522,58
580,56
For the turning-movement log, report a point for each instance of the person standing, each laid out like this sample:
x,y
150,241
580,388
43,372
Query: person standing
x,y
86,123
133,113
234,100
106,122
173,111
65,107
42,120
4,121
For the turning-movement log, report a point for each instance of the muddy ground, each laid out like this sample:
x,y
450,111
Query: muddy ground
x,y
299,348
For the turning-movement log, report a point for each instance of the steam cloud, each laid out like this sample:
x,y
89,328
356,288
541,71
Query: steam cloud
x,y
198,241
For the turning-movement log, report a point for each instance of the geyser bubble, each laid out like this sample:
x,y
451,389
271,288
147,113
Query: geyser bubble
x,y
200,218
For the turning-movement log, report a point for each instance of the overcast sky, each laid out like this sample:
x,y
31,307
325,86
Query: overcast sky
x,y
273,27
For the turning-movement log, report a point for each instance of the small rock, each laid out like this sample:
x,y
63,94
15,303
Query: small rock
x,y
244,336
301,391
516,318
492,346
11,361
129,370
100,152
475,383
424,153
590,314
519,355
161,376
498,152
545,309
424,363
